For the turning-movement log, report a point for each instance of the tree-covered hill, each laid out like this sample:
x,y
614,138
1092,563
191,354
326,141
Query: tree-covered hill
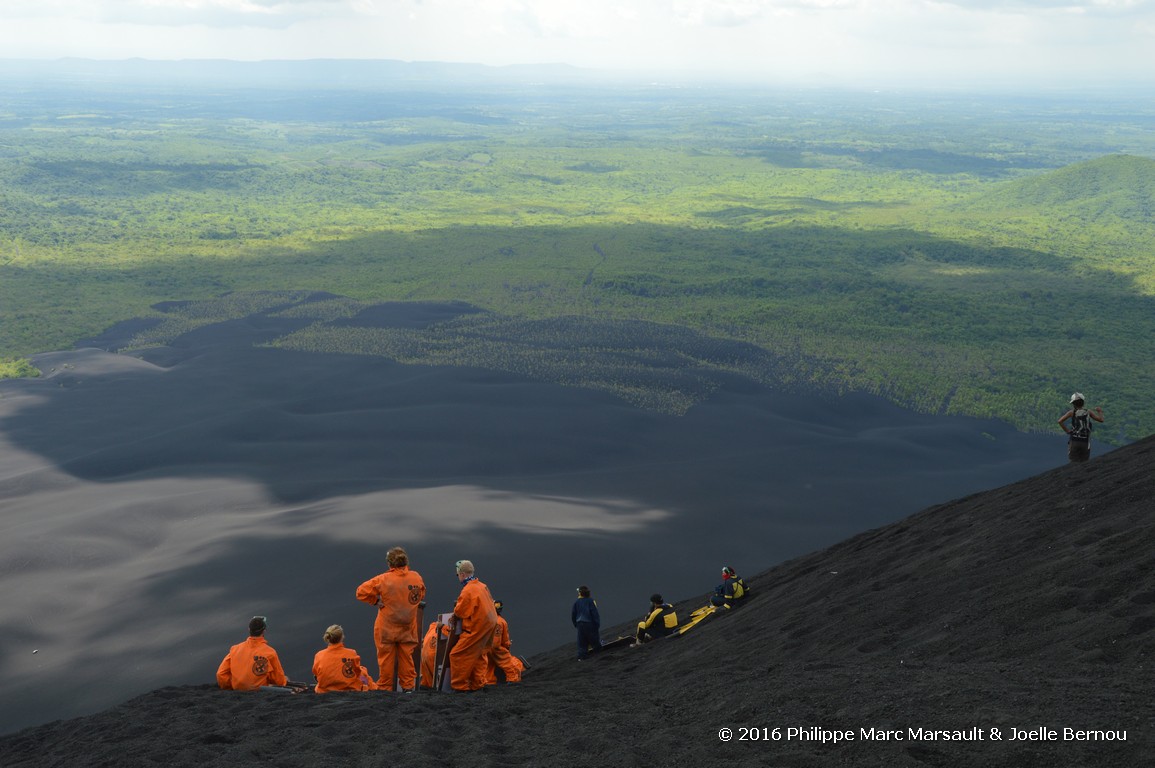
x,y
916,248
1119,186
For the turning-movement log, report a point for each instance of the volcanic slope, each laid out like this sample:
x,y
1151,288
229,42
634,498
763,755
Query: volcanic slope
x,y
1028,610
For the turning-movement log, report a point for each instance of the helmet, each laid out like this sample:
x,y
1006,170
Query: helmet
x,y
1078,396
498,605
728,572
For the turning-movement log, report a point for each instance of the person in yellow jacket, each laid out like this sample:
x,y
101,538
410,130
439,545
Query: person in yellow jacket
x,y
659,622
337,668
470,655
499,655
396,595
253,663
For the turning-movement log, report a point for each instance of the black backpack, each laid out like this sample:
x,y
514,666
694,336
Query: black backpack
x,y
1081,425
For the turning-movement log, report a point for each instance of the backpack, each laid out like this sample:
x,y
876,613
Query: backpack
x,y
1081,425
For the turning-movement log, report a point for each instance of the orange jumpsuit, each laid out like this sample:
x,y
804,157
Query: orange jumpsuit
x,y
249,665
400,590
499,656
429,654
338,668
468,661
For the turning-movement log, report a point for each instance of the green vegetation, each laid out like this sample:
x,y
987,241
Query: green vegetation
x,y
971,256
18,369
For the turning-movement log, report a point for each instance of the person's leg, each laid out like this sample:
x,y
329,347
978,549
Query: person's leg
x,y
406,670
502,658
469,649
387,658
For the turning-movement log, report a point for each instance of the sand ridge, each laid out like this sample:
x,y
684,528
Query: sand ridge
x,y
152,505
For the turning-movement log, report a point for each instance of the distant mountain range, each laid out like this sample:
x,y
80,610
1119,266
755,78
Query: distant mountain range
x,y
349,73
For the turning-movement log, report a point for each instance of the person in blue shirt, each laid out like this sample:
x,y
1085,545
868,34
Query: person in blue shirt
x,y
732,589
588,623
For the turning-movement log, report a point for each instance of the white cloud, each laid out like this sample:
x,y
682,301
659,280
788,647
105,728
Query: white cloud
x,y
719,13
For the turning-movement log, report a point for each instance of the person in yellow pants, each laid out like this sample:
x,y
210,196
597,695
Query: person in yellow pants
x,y
469,658
661,621
396,594
499,655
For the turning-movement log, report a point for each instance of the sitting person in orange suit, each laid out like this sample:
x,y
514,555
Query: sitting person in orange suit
x,y
338,668
253,663
429,654
499,655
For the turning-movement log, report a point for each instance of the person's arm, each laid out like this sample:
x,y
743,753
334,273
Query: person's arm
x,y
368,592
276,672
1063,421
1096,414
463,608
225,673
594,614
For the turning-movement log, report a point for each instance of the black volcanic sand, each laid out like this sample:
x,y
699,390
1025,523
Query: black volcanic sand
x,y
150,506
1027,611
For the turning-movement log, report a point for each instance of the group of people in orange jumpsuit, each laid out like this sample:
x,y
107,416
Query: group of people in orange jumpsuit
x,y
481,647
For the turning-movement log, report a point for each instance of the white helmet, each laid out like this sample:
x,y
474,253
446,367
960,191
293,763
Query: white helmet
x,y
1078,396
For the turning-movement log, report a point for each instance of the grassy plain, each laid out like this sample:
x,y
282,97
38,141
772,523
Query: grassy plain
x,y
958,254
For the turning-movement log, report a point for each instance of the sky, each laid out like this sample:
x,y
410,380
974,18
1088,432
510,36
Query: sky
x,y
944,42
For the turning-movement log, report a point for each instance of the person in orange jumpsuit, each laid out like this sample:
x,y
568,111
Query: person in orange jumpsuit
x,y
253,663
499,655
396,594
338,668
469,658
429,656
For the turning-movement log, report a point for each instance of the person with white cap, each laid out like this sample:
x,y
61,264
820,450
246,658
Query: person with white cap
x,y
1079,430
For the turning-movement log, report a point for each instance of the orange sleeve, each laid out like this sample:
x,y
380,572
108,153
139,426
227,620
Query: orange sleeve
x,y
369,591
317,669
466,603
225,673
276,674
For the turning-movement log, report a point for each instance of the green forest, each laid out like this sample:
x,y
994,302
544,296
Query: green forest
x,y
957,254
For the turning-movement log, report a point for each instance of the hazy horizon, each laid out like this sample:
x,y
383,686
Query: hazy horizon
x,y
996,43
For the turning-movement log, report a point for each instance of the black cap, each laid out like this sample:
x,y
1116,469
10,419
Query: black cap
x,y
656,599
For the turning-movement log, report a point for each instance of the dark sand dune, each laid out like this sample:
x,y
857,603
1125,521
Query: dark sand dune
x,y
1028,610
151,506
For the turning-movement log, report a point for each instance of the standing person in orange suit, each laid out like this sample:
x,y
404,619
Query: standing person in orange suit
x,y
338,668
469,658
499,655
253,663
396,595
